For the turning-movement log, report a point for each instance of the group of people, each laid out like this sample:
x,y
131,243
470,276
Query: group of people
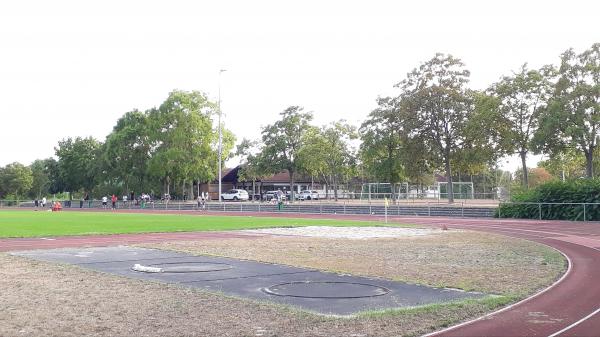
x,y
40,203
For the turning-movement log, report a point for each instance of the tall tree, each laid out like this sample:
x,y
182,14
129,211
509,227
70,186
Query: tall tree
x,y
436,94
16,179
78,163
522,98
250,169
282,142
575,108
329,152
126,151
383,137
41,178
183,139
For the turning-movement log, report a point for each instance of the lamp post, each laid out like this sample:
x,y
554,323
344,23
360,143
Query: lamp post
x,y
220,148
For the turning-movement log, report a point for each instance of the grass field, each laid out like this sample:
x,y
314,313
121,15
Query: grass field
x,y
39,224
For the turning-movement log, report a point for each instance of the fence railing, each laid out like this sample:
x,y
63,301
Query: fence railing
x,y
458,209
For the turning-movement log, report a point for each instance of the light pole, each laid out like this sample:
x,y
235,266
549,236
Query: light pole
x,y
220,149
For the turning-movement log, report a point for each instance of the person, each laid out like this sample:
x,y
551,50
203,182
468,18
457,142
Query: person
x,y
279,199
81,202
43,202
87,198
36,203
124,200
113,199
104,201
132,196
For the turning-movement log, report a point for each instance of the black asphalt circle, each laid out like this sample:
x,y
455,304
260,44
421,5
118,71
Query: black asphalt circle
x,y
307,289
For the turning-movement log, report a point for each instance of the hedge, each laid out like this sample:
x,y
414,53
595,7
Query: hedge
x,y
574,191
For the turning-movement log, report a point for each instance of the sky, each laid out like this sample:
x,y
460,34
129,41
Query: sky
x,y
72,68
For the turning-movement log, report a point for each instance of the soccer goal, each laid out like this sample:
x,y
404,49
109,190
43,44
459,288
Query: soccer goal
x,y
461,190
371,191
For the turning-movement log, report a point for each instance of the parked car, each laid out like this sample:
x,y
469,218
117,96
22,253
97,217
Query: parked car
x,y
235,195
308,195
270,195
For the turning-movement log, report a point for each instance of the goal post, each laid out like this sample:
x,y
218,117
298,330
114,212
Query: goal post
x,y
461,190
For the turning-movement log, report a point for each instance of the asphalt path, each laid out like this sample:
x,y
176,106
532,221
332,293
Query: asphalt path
x,y
569,307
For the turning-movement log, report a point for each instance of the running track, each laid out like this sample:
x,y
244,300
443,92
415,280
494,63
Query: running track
x,y
570,307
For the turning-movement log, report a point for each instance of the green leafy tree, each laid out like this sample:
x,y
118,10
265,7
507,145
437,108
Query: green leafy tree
x,y
78,163
575,108
41,178
250,169
282,142
383,137
15,179
522,98
183,139
126,151
327,152
436,94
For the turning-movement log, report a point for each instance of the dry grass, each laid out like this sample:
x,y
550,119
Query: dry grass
x,y
45,299
458,259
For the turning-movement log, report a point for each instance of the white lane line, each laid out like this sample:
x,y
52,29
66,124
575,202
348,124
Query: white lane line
x,y
575,324
569,268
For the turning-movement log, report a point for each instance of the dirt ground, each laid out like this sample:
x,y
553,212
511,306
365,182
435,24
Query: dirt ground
x,y
457,259
46,299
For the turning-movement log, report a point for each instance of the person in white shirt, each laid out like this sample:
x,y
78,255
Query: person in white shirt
x,y
104,201
43,202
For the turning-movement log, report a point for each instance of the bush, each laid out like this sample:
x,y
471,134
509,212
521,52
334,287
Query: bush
x,y
574,191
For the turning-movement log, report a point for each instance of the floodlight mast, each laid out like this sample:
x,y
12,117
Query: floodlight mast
x,y
220,149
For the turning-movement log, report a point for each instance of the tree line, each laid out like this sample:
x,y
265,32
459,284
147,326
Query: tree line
x,y
436,123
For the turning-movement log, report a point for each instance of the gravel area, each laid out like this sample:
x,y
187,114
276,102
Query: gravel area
x,y
347,232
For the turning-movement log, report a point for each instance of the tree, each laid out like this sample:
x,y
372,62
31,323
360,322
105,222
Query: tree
x,y
282,142
183,139
250,169
327,152
436,94
126,151
383,137
41,178
78,162
522,98
15,179
575,108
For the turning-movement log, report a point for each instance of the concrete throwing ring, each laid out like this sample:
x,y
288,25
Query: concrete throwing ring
x,y
326,289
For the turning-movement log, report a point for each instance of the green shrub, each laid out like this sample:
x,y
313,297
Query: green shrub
x,y
574,191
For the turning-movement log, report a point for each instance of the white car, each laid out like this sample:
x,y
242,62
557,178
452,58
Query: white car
x,y
308,195
235,195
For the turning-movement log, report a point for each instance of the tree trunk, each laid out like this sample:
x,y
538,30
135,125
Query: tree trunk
x,y
589,163
335,188
524,167
291,172
450,188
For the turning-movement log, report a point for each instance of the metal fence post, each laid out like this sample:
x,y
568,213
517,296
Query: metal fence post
x,y
540,209
584,211
462,210
259,207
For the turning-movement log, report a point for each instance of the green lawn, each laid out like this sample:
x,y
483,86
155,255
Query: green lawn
x,y
36,224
